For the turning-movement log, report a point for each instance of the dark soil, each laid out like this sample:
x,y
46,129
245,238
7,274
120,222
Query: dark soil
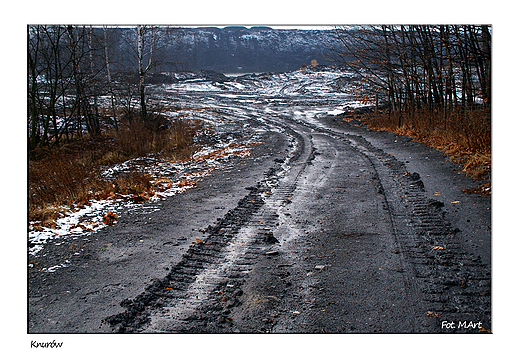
x,y
325,229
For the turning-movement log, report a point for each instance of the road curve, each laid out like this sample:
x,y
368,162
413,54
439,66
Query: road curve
x,y
326,228
337,237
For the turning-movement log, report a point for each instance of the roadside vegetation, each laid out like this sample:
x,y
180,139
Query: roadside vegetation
x,y
71,172
429,82
88,109
468,143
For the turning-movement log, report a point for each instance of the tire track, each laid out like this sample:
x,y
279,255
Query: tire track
x,y
453,284
205,290
172,304
185,276
220,286
444,281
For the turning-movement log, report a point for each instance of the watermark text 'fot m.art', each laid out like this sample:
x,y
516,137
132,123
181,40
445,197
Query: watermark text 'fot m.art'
x,y
461,324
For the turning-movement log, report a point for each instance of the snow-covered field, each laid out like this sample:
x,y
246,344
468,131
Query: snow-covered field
x,y
223,105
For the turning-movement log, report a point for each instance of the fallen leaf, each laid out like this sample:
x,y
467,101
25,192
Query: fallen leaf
x,y
432,314
110,218
198,240
483,189
482,329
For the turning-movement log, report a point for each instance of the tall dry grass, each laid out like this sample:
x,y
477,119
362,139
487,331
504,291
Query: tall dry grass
x,y
71,173
465,136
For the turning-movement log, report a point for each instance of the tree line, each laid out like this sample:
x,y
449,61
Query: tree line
x,y
433,68
81,78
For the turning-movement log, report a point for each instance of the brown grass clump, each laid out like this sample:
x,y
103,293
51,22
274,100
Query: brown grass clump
x,y
465,137
136,138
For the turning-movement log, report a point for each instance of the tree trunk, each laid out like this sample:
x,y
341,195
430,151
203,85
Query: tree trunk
x,y
142,72
93,90
32,56
110,89
486,40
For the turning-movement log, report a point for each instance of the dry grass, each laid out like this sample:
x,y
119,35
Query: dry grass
x,y
71,173
464,137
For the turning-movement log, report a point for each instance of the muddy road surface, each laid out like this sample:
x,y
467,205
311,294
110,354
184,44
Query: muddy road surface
x,y
324,228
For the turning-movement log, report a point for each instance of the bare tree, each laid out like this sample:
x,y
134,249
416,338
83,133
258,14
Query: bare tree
x,y
48,83
64,82
147,53
421,66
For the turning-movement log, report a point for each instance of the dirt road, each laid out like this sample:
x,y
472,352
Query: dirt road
x,y
326,228
320,231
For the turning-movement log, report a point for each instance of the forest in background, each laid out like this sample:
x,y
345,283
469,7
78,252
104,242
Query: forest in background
x,y
80,79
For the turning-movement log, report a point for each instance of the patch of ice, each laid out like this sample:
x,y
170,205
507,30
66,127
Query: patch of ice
x,y
58,266
335,112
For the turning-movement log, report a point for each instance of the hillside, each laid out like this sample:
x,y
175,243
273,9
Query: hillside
x,y
235,49
238,49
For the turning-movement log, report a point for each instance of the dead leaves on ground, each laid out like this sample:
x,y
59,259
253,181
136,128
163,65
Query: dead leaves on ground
x,y
483,189
482,329
200,241
432,314
234,149
110,218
